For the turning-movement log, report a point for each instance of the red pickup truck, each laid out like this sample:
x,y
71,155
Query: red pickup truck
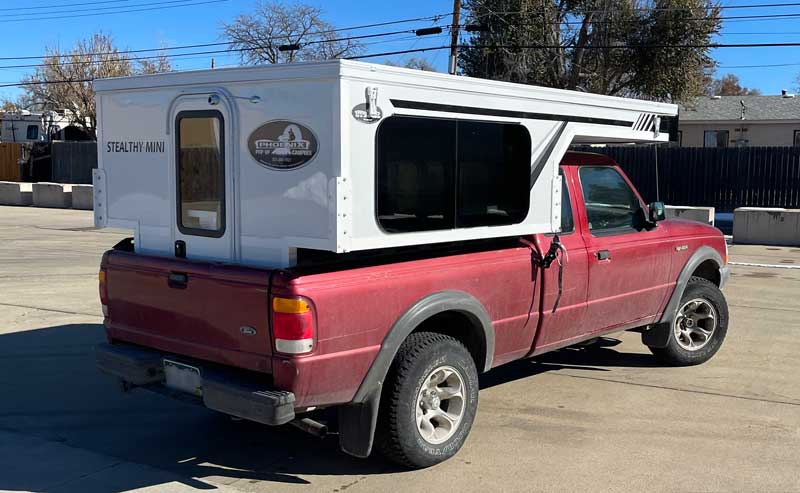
x,y
395,339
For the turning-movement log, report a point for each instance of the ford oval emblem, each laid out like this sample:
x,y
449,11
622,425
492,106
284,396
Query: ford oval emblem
x,y
247,330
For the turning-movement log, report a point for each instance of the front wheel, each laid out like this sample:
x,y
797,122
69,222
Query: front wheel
x,y
699,327
429,402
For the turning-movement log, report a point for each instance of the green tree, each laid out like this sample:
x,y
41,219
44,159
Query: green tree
x,y
615,47
63,81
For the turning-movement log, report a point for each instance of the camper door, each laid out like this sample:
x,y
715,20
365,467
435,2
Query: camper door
x,y
202,178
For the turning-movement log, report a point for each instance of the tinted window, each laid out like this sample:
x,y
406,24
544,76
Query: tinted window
x,y
715,138
493,174
201,179
442,174
611,205
33,132
797,138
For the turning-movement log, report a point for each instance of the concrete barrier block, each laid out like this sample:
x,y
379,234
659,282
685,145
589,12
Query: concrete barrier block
x,y
82,197
56,195
15,193
766,226
701,214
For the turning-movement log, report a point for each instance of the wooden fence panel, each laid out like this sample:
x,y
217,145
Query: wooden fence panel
x,y
721,178
73,162
10,169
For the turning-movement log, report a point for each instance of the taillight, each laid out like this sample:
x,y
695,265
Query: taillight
x,y
292,325
101,277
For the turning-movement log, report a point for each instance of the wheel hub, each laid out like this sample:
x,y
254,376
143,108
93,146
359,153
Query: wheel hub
x,y
440,405
695,324
431,400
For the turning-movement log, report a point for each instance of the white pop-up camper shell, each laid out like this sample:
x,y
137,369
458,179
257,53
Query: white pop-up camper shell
x,y
248,165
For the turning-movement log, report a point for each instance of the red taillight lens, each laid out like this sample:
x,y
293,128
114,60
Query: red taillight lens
x,y
292,325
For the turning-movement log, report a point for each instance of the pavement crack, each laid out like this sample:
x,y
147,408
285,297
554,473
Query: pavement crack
x,y
54,310
676,389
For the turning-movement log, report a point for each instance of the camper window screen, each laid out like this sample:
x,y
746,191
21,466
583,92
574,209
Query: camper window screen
x,y
201,174
444,174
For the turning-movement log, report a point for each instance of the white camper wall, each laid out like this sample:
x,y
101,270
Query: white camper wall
x,y
326,201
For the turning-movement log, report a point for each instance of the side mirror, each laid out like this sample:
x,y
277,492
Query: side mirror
x,y
657,211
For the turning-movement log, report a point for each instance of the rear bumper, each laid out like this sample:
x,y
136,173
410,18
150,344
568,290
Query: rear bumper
x,y
223,391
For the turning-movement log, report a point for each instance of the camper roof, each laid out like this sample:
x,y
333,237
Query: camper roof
x,y
376,72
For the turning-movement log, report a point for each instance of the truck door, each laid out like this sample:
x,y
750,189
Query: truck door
x,y
628,267
569,320
202,177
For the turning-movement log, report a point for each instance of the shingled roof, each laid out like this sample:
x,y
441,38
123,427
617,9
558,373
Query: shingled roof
x,y
758,108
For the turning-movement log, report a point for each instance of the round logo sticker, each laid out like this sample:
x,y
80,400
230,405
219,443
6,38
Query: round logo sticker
x,y
282,145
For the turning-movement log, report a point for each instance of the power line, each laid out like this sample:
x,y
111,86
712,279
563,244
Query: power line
x,y
63,5
38,14
208,52
434,17
72,16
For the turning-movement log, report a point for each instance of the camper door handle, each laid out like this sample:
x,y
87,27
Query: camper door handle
x,y
178,280
603,255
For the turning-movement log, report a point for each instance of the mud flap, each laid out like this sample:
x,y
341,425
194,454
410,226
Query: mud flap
x,y
357,423
657,335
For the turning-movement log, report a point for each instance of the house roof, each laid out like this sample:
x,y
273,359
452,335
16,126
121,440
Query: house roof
x,y
729,108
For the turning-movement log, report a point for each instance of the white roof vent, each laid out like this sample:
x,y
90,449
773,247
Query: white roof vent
x,y
716,97
786,94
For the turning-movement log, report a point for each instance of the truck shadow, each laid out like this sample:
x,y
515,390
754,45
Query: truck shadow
x,y
55,399
593,358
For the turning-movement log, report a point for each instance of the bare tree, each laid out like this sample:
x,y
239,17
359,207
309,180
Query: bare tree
x,y
729,85
64,79
259,35
9,106
415,63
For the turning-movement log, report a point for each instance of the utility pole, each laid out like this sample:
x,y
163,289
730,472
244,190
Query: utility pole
x,y
454,30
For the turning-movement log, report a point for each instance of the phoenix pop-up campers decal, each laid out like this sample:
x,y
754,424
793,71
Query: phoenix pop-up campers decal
x,y
283,145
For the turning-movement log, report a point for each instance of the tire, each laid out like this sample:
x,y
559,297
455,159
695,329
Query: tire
x,y
686,345
414,378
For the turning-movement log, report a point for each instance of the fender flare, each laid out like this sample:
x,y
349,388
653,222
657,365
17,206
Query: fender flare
x,y
357,420
658,334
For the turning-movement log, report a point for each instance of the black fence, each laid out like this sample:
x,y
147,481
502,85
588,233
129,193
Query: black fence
x,y
720,178
72,162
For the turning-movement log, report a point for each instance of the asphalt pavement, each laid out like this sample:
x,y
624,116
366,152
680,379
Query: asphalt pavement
x,y
606,418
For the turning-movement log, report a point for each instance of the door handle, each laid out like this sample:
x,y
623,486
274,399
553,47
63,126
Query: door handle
x,y
178,280
603,255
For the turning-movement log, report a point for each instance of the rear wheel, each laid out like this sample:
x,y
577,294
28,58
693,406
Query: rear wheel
x,y
429,402
699,327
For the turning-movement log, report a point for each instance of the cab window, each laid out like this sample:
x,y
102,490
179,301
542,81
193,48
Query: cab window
x,y
611,204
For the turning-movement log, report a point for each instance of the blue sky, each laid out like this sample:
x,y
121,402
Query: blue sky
x,y
201,24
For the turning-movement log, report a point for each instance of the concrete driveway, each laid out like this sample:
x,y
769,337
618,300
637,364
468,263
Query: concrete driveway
x,y
605,418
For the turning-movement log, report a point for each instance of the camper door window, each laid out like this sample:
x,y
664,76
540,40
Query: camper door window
x,y
435,174
33,132
200,173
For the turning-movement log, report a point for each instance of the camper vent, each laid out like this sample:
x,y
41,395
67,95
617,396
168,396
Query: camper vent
x,y
645,123
786,94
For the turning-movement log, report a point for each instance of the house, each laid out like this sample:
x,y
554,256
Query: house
x,y
730,121
27,127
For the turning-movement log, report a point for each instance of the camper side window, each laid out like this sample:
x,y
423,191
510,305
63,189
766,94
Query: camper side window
x,y
200,173
435,174
33,132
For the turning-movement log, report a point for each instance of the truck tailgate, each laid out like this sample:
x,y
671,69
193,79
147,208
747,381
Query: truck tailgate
x,y
204,310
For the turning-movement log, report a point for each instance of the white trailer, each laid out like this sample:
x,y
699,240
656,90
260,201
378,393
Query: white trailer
x,y
250,165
